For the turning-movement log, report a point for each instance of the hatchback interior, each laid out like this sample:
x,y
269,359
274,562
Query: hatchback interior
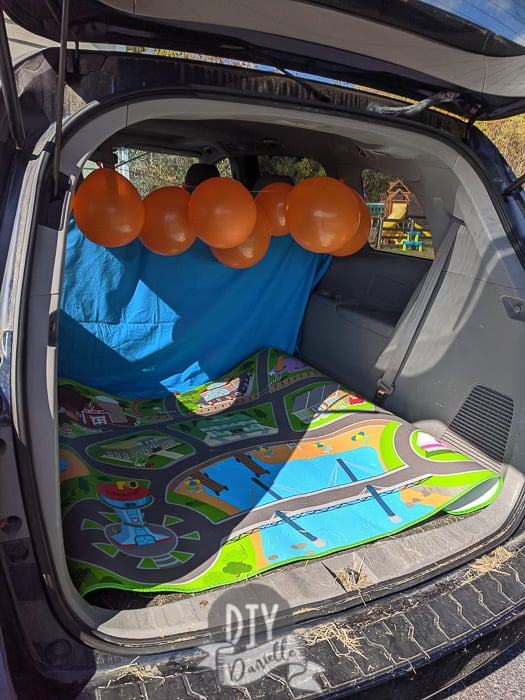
x,y
214,424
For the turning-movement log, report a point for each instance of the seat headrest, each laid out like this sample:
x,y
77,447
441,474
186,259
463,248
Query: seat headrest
x,y
197,173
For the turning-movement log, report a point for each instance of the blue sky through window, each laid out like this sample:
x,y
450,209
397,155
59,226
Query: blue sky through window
x,y
503,17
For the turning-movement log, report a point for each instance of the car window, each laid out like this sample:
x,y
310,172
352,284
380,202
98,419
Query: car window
x,y
399,224
295,167
225,167
149,170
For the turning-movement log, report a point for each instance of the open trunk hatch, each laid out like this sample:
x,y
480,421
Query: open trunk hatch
x,y
413,49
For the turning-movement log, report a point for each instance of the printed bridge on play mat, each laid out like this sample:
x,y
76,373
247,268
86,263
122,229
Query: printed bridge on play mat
x,y
270,464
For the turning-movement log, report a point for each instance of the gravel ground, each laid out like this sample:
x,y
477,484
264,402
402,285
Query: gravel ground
x,y
501,679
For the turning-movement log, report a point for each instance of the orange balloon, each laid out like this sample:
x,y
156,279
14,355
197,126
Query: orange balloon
x,y
108,208
360,237
167,229
272,199
222,212
322,214
252,250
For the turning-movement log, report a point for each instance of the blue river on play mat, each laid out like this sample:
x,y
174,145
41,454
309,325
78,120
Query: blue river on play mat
x,y
315,533
292,478
351,523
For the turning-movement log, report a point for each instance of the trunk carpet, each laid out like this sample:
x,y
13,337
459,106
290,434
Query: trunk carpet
x,y
271,464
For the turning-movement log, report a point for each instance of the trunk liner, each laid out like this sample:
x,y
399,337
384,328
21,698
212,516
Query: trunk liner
x,y
271,464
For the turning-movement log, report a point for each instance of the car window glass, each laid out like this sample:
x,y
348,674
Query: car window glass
x,y
506,19
295,167
225,167
149,170
399,224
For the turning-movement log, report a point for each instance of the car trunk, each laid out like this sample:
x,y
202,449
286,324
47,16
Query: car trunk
x,y
457,383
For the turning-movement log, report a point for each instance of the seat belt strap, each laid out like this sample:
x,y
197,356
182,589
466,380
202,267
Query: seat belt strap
x,y
409,325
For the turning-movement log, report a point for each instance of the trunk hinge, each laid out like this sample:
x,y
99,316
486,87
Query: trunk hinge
x,y
9,90
59,106
411,110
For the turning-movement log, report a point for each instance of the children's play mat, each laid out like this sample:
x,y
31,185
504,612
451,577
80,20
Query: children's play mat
x,y
270,464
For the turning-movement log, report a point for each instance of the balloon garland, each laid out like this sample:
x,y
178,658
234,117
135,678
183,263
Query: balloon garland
x,y
322,214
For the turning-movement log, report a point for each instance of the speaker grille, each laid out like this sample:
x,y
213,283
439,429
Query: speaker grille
x,y
484,421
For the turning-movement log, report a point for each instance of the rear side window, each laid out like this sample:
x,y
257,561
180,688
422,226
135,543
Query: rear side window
x,y
399,224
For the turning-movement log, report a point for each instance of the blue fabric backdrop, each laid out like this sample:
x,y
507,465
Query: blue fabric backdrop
x,y
134,323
